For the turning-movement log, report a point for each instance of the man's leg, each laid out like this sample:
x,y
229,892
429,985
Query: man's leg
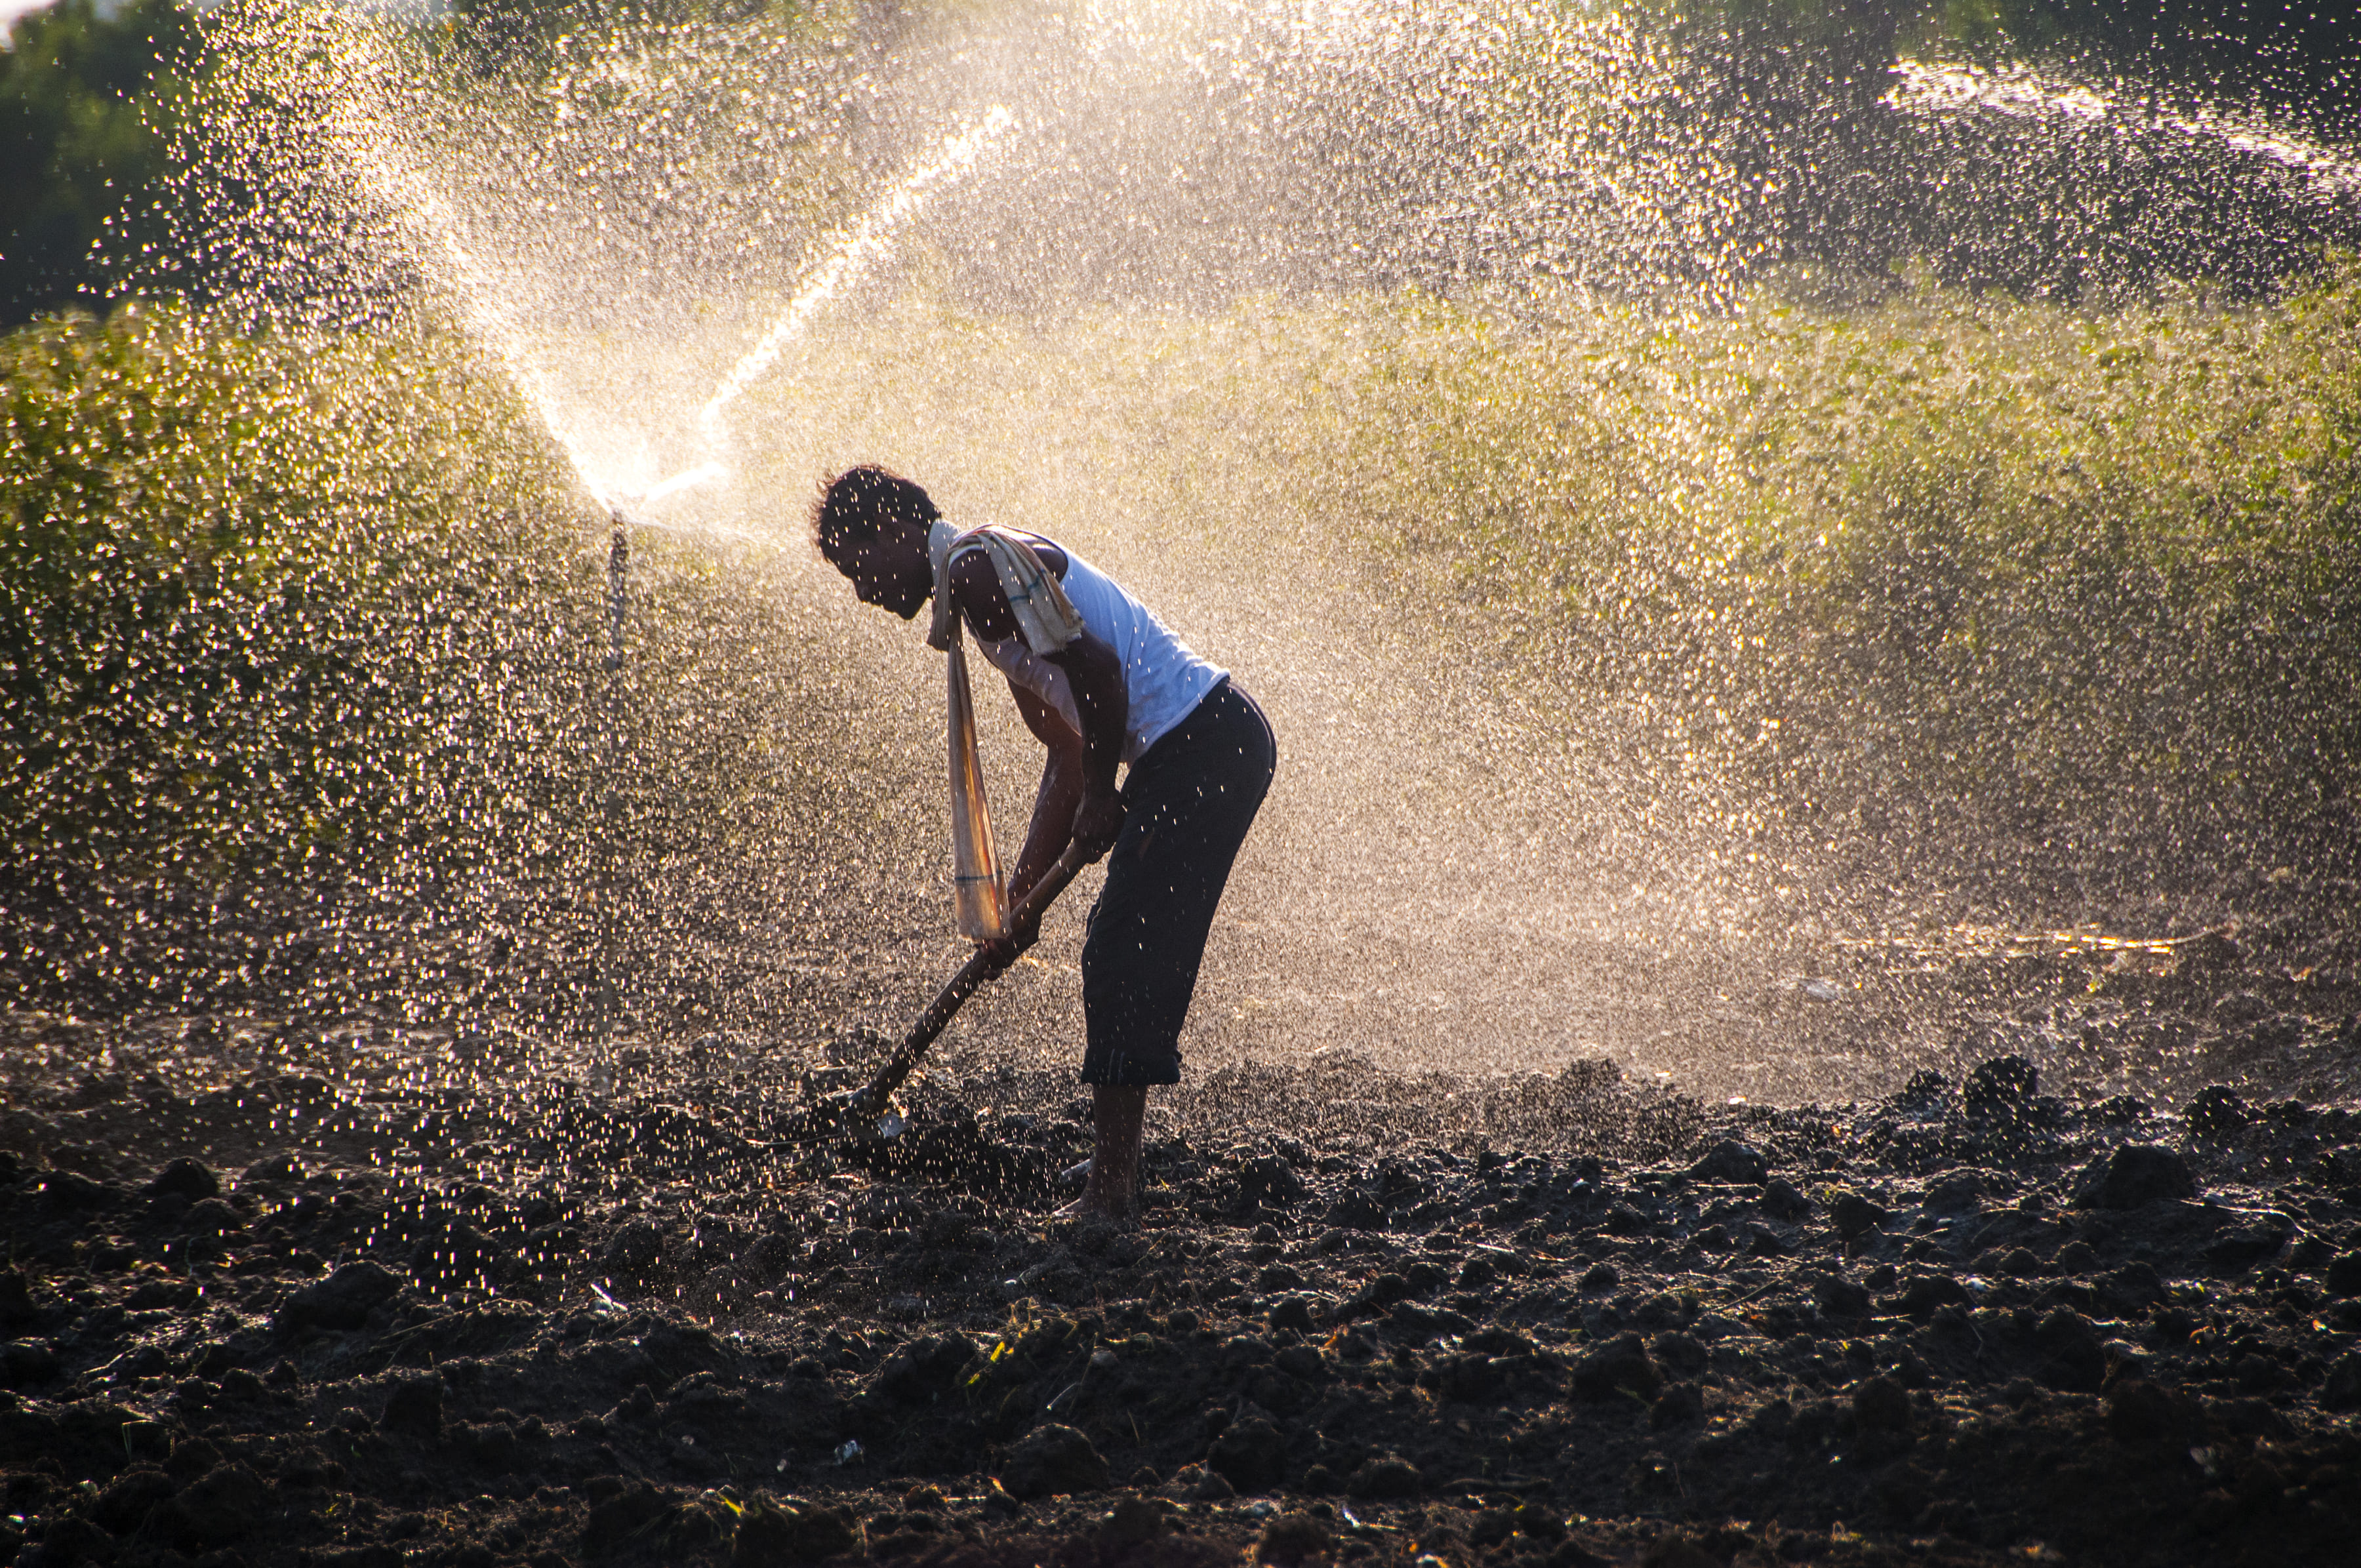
x,y
1113,1191
1191,800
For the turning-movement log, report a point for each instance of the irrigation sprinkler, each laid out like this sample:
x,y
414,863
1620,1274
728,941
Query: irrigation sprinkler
x,y
619,586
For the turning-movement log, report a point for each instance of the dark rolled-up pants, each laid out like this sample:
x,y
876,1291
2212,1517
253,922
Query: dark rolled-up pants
x,y
1188,802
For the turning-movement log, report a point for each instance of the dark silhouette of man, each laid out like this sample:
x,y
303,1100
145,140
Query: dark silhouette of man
x,y
1102,684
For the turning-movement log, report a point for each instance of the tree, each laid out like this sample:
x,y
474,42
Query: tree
x,y
2279,55
86,101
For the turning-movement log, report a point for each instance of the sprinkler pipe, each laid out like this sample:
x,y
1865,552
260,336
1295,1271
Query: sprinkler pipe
x,y
619,584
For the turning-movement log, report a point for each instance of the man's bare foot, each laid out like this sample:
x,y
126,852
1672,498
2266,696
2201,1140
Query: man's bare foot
x,y
1112,1189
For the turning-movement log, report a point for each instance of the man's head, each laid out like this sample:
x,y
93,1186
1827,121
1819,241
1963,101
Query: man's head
x,y
870,524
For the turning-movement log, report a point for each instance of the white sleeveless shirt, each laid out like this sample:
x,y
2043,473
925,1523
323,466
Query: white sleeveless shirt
x,y
1162,680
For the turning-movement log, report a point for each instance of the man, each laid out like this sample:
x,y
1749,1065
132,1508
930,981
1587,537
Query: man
x,y
1100,683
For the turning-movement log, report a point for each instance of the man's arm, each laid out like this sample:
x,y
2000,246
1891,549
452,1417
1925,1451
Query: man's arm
x,y
1054,803
1095,675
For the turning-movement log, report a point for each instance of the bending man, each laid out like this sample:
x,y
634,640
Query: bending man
x,y
1120,690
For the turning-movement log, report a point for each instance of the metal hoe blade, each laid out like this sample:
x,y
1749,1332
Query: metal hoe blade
x,y
867,1113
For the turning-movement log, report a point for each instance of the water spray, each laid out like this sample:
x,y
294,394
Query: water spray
x,y
619,549
2021,92
372,152
871,242
370,149
619,582
686,479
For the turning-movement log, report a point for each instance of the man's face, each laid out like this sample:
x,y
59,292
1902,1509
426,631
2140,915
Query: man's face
x,y
889,571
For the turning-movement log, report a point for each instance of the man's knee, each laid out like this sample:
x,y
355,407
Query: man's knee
x,y
1130,1067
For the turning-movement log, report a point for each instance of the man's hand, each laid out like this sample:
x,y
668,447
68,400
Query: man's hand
x,y
1005,951
1097,822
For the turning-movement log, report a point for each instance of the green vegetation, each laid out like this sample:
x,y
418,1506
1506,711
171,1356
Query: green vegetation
x,y
2056,599
302,634
233,567
249,595
2081,582
1998,585
302,638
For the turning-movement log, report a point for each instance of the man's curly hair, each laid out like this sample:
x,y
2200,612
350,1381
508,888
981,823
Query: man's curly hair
x,y
855,506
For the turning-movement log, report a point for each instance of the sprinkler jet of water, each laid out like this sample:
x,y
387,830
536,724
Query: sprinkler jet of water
x,y
687,478
372,149
2020,92
870,243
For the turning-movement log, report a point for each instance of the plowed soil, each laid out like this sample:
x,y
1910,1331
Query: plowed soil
x,y
330,1320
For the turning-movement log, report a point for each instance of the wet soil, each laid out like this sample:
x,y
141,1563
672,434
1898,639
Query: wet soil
x,y
270,1317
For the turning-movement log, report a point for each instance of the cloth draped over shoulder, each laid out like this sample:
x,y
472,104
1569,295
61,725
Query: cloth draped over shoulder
x,y
1045,618
1048,621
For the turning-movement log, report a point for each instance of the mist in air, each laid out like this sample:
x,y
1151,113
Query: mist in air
x,y
1552,414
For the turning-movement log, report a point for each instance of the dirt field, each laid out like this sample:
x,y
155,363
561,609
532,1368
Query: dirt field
x,y
291,1319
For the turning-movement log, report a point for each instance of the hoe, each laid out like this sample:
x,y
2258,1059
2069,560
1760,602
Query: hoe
x,y
867,1113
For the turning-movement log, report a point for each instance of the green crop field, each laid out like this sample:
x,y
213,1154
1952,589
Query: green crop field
x,y
2064,588
288,623
2084,575
2055,604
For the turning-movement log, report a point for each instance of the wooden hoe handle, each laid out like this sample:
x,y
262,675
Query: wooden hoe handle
x,y
870,1101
